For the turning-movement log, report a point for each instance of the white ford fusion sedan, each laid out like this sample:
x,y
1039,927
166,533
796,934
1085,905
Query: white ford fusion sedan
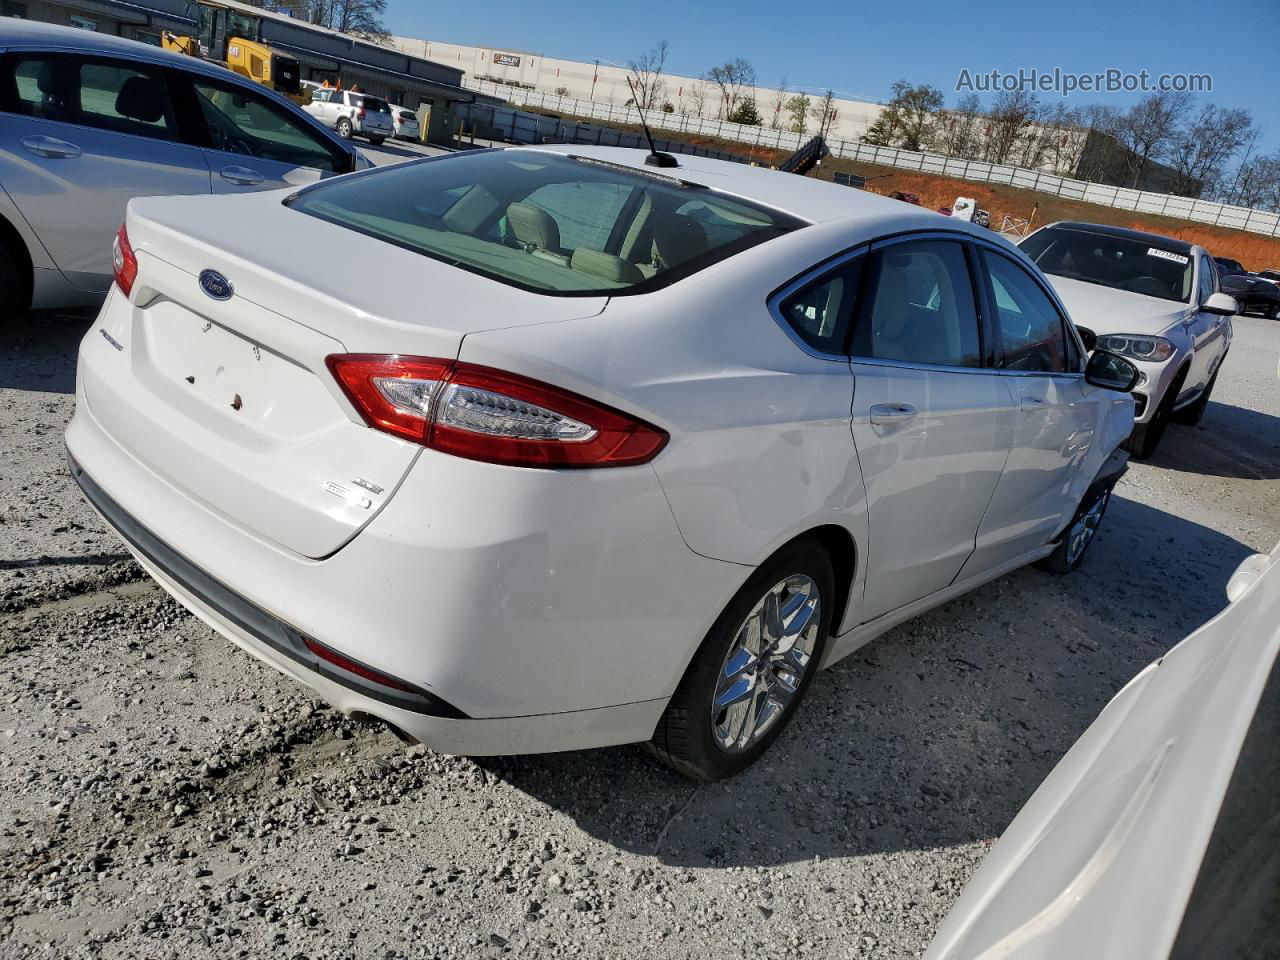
x,y
547,448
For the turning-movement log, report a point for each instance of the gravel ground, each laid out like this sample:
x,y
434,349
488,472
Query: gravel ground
x,y
164,795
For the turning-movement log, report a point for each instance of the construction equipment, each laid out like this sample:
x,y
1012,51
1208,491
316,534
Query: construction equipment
x,y
234,39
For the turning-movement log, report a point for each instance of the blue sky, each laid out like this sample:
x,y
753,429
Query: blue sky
x,y
860,49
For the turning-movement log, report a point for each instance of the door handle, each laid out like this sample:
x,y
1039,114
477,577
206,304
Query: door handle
x,y
243,176
890,413
1032,403
50,147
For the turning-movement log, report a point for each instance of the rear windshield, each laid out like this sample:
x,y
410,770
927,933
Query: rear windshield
x,y
1139,266
371,103
546,222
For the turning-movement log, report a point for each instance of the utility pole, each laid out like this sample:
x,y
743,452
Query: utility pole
x,y
595,72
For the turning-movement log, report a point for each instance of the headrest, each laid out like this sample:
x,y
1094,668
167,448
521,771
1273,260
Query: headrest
x,y
141,98
677,238
533,226
605,265
57,78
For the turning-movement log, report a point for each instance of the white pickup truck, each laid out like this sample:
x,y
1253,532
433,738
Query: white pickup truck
x,y
351,114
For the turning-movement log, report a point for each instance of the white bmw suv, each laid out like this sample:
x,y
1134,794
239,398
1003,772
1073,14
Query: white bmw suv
x,y
659,442
1148,298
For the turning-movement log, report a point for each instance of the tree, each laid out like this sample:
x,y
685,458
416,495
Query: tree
x,y
1008,122
1200,151
1258,182
746,113
646,75
1148,130
797,110
956,131
824,113
1100,150
697,99
779,105
360,18
733,79
907,120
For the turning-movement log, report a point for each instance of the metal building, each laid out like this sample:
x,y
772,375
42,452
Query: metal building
x,y
323,54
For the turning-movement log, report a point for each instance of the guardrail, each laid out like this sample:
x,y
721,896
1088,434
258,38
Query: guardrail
x,y
1123,198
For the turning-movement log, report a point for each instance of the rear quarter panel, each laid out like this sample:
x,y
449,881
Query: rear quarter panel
x,y
761,448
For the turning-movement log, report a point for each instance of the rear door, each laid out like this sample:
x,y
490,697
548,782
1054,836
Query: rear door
x,y
79,138
1057,416
251,142
932,424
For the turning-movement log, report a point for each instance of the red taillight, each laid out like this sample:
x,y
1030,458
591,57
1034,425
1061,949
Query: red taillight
x,y
123,261
361,113
485,414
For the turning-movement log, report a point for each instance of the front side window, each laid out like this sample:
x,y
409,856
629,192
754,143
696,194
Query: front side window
x,y
920,307
241,122
105,94
548,222
1151,267
1031,329
820,312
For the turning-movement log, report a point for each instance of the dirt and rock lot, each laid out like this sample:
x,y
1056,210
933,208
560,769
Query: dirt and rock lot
x,y
164,795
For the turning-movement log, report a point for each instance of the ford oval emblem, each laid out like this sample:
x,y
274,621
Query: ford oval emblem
x,y
216,285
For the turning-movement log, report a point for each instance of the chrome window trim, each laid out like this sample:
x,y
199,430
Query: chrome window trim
x,y
866,247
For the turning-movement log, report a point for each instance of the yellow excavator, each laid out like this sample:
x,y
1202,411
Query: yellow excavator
x,y
234,39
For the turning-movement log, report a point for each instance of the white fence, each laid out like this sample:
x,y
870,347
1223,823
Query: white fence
x,y
1123,198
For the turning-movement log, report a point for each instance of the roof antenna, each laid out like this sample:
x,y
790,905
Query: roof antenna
x,y
654,159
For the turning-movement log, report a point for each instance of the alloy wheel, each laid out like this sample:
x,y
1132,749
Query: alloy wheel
x,y
1086,526
767,663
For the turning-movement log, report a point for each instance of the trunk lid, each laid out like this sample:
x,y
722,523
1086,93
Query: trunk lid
x,y
231,400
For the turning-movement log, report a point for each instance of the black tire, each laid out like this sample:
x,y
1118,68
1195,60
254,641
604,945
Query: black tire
x,y
1193,413
1146,438
344,128
377,141
684,739
15,292
1070,552
1273,311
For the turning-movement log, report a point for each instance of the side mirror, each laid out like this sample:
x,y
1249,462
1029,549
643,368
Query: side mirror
x,y
1089,337
1222,303
1111,371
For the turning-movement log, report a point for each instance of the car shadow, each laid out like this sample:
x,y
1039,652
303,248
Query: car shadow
x,y
935,734
1230,441
38,350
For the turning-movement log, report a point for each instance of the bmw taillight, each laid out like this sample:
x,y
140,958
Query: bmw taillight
x,y
123,262
486,414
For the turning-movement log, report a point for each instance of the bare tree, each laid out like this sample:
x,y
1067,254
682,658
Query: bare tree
x,y
797,109
779,104
646,75
1258,182
1149,128
360,18
1008,122
956,132
1201,150
697,99
733,79
1100,148
824,113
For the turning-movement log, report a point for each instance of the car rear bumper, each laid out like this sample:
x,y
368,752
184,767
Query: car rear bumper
x,y
551,610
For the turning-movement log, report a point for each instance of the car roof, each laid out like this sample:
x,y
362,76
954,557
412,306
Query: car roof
x,y
1125,233
18,34
806,197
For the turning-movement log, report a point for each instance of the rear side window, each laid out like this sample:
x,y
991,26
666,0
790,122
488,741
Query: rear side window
x,y
101,93
1031,328
820,312
548,222
919,307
